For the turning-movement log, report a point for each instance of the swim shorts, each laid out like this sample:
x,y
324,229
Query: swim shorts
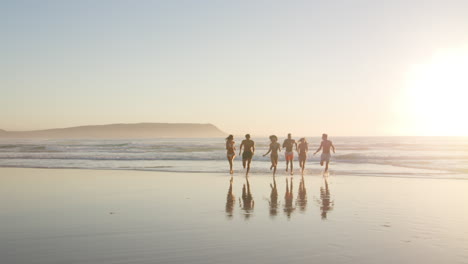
x,y
247,155
289,155
325,157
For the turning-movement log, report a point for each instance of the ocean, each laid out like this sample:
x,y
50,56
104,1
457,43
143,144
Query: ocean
x,y
427,157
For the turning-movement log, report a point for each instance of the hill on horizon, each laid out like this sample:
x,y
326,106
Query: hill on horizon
x,y
138,130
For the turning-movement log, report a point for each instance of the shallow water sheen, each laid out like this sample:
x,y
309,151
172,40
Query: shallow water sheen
x,y
85,216
427,157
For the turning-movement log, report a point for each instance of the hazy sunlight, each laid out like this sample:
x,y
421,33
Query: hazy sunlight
x,y
437,94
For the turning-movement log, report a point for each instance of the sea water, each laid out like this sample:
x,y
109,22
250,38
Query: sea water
x,y
430,157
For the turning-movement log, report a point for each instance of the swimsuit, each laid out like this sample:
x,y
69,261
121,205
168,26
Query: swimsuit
x,y
247,154
288,144
289,155
230,150
325,157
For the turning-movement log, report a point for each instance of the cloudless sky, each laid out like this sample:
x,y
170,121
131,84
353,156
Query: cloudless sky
x,y
261,67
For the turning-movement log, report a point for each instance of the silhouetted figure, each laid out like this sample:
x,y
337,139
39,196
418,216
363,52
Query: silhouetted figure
x,y
273,198
230,200
249,150
303,148
247,199
302,195
326,155
289,143
274,149
288,199
231,151
326,202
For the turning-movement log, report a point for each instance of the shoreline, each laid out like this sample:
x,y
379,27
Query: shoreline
x,y
241,174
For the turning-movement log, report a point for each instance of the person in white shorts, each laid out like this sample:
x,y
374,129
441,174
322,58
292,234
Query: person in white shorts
x,y
325,146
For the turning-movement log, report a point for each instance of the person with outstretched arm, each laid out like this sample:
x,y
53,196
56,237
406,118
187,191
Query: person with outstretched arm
x,y
325,146
275,147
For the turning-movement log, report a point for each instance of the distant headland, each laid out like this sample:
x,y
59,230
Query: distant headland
x,y
139,130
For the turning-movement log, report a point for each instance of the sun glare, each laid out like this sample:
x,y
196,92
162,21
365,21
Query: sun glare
x,y
438,95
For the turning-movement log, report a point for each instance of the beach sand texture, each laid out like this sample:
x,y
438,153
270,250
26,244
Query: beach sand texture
x,y
92,216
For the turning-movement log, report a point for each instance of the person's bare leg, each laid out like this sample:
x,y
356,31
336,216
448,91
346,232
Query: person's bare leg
x,y
326,166
274,162
230,167
248,167
287,164
292,170
243,163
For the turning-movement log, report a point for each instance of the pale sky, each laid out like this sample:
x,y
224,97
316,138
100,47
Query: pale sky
x,y
349,68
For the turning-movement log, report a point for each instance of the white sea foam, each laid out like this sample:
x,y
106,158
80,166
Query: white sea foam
x,y
379,156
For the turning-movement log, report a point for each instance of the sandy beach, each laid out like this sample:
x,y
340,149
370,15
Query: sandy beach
x,y
104,216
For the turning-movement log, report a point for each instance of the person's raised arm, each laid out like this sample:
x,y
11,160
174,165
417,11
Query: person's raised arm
x,y
321,144
240,148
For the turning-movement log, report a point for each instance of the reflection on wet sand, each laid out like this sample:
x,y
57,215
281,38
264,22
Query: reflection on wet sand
x,y
302,195
247,204
273,198
230,200
326,203
288,198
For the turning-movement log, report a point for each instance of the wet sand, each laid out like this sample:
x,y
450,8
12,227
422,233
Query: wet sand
x,y
89,216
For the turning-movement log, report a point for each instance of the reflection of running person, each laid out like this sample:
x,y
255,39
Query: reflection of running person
x,y
248,202
274,148
303,147
325,145
325,197
231,151
230,200
249,149
289,143
273,198
302,195
288,198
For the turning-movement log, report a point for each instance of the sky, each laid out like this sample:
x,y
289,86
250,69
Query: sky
x,y
348,68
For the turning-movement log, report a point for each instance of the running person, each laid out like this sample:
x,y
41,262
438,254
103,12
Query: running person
x,y
289,143
249,149
231,151
325,145
303,149
274,148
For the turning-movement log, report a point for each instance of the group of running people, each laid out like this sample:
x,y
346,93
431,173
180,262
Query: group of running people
x,y
289,145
